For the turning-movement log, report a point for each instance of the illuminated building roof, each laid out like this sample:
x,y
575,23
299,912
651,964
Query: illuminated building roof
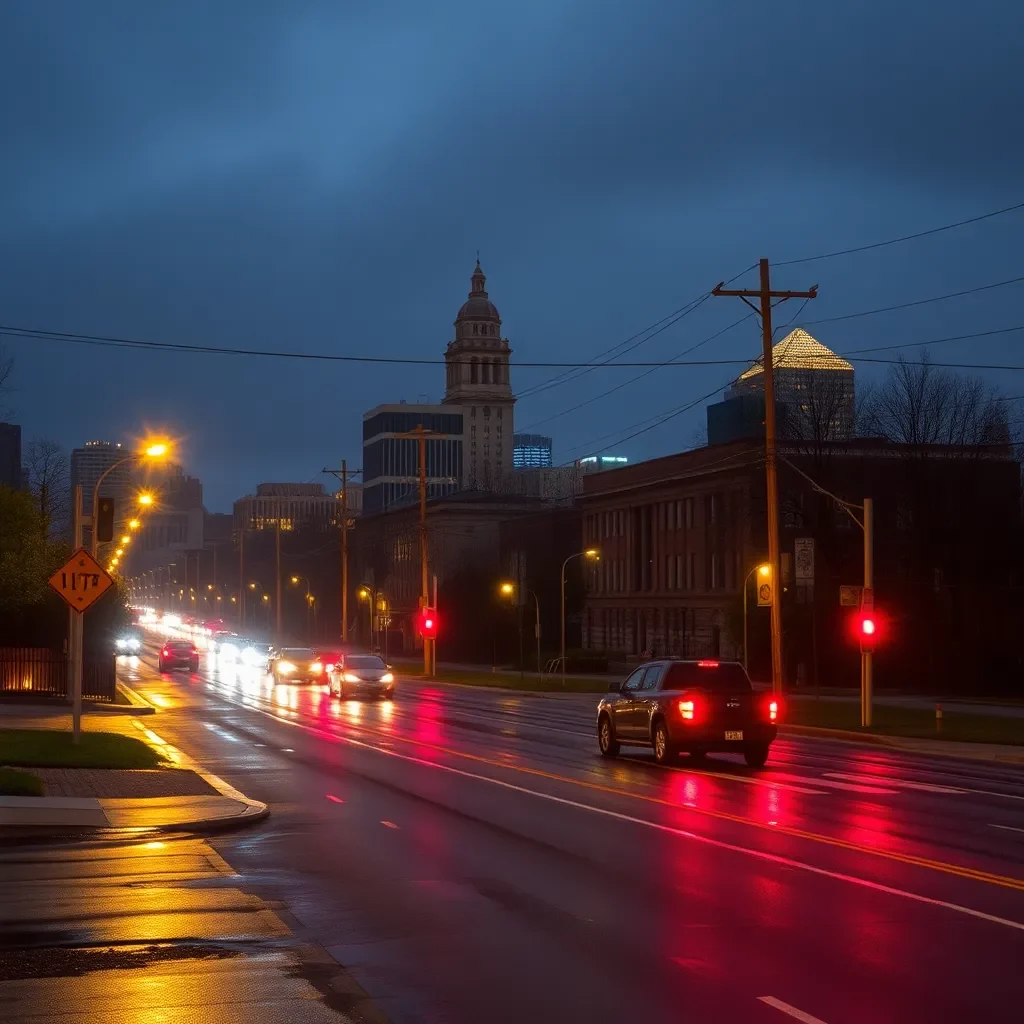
x,y
799,351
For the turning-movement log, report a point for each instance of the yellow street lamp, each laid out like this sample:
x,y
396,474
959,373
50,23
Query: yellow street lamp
x,y
133,524
145,498
126,539
507,589
157,449
119,552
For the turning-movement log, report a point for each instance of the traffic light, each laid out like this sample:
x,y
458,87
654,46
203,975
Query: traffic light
x,y
104,525
426,624
867,631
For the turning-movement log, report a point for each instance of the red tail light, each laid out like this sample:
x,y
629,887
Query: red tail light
x,y
688,710
773,711
164,653
707,664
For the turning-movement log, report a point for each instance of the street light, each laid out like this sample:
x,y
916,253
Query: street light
x,y
126,539
145,498
133,524
309,604
764,571
155,450
593,555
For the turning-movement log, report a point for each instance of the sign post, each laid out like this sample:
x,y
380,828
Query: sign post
x,y
81,581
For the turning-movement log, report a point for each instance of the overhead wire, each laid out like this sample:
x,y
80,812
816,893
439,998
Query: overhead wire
x,y
902,238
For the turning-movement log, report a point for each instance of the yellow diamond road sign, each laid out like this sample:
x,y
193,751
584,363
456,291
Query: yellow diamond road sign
x,y
81,580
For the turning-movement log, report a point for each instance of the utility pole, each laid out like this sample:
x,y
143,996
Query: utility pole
x,y
241,578
867,605
765,294
75,625
421,434
277,566
343,474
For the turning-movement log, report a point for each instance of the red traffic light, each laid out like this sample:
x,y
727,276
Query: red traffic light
x,y
426,624
866,626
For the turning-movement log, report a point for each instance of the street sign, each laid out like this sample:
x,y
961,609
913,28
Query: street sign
x,y
803,556
764,595
849,597
81,580
867,598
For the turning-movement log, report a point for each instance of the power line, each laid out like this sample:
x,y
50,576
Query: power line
x,y
934,341
663,324
903,238
954,366
916,302
639,376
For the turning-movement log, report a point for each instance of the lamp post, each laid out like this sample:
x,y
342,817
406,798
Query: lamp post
x,y
155,450
369,595
593,554
764,571
309,605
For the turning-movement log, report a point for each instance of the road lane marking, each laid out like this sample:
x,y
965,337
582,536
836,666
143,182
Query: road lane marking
x,y
902,858
778,1004
1009,828
848,786
389,824
789,787
720,844
901,783
334,799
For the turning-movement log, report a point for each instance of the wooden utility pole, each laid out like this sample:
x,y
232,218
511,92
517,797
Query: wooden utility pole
x,y
241,578
765,294
343,474
421,434
277,569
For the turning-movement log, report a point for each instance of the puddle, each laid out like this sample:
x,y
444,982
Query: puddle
x,y
75,961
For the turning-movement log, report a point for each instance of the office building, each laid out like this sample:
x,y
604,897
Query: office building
x,y
814,395
530,451
596,463
298,506
391,467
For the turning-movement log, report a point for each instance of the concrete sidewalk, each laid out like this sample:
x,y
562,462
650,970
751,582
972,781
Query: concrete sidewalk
x,y
37,816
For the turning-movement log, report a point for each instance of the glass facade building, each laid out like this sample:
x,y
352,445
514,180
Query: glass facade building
x,y
531,451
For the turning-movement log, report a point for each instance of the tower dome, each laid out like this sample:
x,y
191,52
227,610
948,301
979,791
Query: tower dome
x,y
478,306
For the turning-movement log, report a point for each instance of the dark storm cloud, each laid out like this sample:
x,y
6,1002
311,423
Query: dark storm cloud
x,y
316,176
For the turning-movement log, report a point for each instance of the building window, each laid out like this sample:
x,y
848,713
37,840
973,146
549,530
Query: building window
x,y
716,571
712,509
668,573
499,412
680,573
472,411
691,569
688,509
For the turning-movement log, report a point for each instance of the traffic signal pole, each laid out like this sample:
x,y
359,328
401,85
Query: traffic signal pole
x,y
765,294
868,593
75,626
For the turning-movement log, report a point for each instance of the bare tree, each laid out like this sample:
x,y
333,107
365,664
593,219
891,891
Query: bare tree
x,y
920,404
49,482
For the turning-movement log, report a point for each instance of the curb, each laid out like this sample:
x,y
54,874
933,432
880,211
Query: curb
x,y
906,743
137,704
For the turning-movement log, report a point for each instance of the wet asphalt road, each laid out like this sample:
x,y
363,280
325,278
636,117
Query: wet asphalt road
x,y
468,856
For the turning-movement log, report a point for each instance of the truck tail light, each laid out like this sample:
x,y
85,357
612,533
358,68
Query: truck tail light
x,y
688,709
773,711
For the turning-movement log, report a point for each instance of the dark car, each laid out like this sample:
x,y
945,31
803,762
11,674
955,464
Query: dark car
x,y
362,673
179,654
694,706
294,665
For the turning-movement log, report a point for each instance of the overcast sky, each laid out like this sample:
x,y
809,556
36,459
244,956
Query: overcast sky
x,y
317,176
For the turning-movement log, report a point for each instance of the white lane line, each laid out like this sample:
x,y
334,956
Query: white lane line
x,y
850,787
772,858
924,787
1009,828
778,1004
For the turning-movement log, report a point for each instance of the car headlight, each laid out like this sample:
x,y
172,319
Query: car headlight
x,y
328,668
387,678
316,668
121,643
351,677
285,668
133,644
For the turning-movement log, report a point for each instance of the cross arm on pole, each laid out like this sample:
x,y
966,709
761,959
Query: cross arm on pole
x,y
757,293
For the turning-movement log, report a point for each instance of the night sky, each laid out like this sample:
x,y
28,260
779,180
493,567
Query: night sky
x,y
318,177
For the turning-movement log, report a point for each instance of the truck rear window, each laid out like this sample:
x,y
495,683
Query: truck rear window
x,y
716,676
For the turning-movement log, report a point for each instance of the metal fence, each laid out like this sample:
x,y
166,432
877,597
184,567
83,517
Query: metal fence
x,y
34,672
